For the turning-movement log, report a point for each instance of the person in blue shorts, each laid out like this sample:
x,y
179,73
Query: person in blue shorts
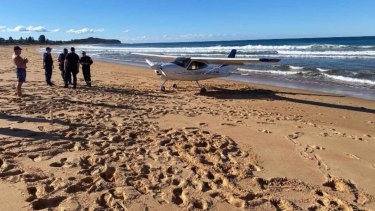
x,y
21,68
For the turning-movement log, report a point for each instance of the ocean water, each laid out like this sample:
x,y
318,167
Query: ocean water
x,y
335,65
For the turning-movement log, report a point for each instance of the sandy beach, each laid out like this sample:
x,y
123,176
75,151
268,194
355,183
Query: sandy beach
x,y
124,145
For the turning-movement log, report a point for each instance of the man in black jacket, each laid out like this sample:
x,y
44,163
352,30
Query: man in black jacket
x,y
71,67
86,62
48,65
61,60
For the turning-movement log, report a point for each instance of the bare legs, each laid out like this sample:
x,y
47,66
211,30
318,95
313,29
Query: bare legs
x,y
19,89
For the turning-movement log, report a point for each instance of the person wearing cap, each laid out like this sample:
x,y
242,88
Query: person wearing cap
x,y
48,65
71,67
61,60
21,68
86,62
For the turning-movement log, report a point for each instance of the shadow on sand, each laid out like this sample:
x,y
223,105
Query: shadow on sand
x,y
100,104
21,119
220,93
35,135
117,90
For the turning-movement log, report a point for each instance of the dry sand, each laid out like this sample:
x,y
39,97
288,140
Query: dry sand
x,y
122,144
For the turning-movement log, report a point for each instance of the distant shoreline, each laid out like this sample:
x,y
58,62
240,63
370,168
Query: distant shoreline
x,y
32,41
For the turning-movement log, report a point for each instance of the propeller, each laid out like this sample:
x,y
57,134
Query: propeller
x,y
157,67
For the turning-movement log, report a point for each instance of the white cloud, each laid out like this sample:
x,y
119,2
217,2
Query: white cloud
x,y
30,29
83,31
126,31
185,37
197,36
55,30
2,28
138,39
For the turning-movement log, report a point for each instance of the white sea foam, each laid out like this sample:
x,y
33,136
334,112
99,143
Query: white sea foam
x,y
348,79
270,71
295,67
303,51
322,70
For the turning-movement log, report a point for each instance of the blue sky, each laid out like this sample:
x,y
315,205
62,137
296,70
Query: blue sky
x,y
186,20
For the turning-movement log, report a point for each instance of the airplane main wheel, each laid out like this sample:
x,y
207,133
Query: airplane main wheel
x,y
203,90
174,86
162,88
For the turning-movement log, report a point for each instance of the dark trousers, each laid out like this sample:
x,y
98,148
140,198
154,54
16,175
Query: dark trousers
x,y
86,75
48,72
68,75
63,75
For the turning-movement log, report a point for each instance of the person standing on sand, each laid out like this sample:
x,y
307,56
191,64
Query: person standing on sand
x,y
48,65
61,60
71,67
21,68
86,62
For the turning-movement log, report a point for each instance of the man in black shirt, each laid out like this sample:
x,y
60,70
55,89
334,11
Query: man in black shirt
x,y
71,67
61,60
86,62
48,65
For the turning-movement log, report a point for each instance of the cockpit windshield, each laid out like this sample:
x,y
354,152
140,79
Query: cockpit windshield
x,y
182,62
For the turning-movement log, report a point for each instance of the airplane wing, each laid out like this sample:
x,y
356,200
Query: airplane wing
x,y
209,60
231,61
161,57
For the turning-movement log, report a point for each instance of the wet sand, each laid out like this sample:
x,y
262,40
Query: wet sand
x,y
123,144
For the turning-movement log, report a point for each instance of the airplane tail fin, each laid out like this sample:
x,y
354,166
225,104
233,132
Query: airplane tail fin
x,y
232,54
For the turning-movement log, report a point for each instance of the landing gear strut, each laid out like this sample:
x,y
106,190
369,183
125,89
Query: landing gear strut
x,y
162,87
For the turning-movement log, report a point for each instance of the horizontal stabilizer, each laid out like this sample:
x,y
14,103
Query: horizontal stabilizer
x,y
231,61
269,60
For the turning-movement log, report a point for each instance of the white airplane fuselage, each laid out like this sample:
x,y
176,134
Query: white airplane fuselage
x,y
196,68
170,71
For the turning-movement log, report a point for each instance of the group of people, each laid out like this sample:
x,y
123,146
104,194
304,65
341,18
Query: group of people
x,y
69,64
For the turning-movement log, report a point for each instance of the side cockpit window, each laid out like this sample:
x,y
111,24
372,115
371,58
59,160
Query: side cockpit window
x,y
197,65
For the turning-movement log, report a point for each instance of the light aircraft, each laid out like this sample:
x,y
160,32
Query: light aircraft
x,y
195,68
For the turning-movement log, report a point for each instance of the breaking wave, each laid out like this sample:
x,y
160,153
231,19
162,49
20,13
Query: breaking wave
x,y
333,51
270,71
349,79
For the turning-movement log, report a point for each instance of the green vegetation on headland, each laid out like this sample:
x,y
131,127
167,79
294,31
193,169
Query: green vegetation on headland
x,y
43,40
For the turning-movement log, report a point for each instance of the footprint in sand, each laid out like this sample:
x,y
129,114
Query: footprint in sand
x,y
293,137
48,203
264,131
178,196
59,164
352,156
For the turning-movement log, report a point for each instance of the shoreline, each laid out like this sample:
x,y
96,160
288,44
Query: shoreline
x,y
327,84
243,82
124,144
